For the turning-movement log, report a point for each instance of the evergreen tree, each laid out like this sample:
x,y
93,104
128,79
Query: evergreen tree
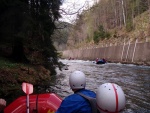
x,y
30,24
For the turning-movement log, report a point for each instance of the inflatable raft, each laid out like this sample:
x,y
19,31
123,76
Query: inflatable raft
x,y
39,103
100,62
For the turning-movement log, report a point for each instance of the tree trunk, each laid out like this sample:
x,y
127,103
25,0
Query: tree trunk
x,y
18,51
123,11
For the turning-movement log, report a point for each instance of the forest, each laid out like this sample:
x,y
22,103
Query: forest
x,y
26,27
108,22
27,53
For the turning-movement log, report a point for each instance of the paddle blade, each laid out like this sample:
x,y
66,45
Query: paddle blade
x,y
27,88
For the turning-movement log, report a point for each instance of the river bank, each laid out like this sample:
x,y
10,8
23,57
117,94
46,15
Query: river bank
x,y
13,74
129,53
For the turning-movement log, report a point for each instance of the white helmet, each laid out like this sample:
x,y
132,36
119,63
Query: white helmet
x,y
77,80
110,98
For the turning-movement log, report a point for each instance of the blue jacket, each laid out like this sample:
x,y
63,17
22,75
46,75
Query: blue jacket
x,y
76,104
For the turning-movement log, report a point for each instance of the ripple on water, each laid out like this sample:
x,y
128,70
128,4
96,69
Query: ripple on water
x,y
134,80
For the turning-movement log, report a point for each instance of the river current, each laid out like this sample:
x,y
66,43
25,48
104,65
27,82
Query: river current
x,y
134,80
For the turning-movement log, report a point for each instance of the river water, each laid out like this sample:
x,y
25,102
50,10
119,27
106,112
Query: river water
x,y
134,80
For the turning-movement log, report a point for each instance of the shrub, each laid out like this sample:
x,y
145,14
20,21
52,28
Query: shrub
x,y
100,34
129,25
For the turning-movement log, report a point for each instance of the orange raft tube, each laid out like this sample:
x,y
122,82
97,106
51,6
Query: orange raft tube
x,y
39,103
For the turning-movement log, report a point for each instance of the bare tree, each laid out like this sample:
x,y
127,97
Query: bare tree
x,y
72,9
123,11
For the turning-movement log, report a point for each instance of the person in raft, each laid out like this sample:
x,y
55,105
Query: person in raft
x,y
2,105
75,103
110,98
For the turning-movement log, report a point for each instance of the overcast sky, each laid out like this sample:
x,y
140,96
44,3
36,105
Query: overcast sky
x,y
72,6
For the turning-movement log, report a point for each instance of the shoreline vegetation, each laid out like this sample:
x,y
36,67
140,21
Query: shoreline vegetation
x,y
14,74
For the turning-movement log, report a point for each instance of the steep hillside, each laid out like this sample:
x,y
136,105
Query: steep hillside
x,y
111,23
60,35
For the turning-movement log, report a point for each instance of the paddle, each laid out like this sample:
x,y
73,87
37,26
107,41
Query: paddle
x,y
28,89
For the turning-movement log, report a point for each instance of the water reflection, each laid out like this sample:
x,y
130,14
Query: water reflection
x,y
134,80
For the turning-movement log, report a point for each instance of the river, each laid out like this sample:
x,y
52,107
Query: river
x,y
134,80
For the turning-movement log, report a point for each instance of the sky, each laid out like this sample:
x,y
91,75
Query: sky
x,y
72,6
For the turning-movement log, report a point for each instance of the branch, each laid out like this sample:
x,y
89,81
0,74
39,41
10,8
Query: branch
x,y
63,12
